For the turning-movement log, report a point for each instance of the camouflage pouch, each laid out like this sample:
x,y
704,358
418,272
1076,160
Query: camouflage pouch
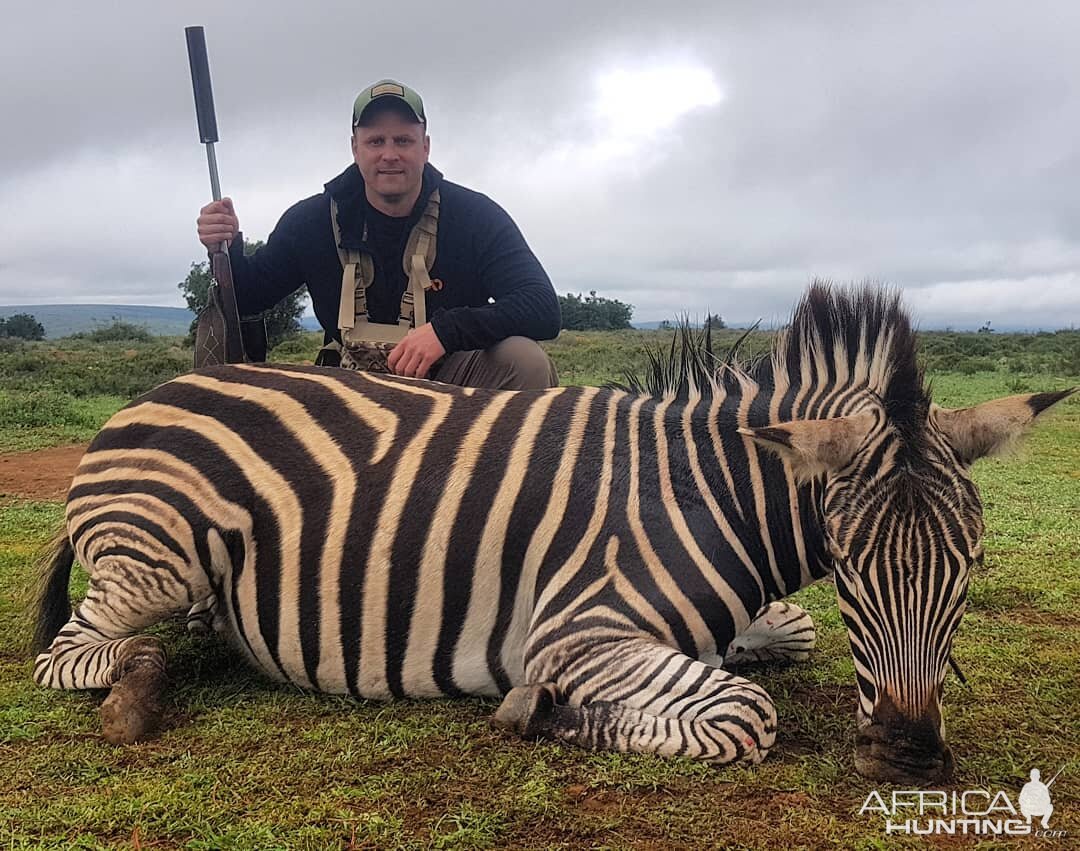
x,y
367,356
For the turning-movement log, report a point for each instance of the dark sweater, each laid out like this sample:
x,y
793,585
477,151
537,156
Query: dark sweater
x,y
480,256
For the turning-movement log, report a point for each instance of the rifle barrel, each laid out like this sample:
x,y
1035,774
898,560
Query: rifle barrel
x,y
204,105
211,160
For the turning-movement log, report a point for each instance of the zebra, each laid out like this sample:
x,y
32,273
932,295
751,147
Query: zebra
x,y
599,558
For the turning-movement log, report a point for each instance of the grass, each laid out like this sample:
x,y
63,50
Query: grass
x,y
63,391
37,419
60,392
244,763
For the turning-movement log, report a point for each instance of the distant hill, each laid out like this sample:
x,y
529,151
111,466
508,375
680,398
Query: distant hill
x,y
61,320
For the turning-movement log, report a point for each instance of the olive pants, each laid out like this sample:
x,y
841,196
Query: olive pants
x,y
516,363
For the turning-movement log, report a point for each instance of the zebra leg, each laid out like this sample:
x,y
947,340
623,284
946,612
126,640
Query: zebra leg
x,y
99,647
780,632
636,696
203,618
132,711
133,667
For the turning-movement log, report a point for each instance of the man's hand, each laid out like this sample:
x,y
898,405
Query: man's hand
x,y
217,223
414,355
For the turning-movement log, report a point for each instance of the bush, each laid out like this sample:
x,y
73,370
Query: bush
x,y
117,332
300,348
42,408
970,366
22,325
81,368
1056,353
282,320
594,313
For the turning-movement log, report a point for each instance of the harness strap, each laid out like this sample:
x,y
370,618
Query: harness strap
x,y
419,256
358,273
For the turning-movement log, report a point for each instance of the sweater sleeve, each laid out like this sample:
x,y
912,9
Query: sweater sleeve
x,y
274,271
525,303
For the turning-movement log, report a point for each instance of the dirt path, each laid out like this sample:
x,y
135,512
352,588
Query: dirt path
x,y
41,474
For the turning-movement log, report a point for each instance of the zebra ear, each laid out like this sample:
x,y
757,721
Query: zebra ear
x,y
993,426
815,447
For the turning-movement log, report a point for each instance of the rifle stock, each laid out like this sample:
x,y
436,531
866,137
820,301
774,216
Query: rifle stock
x,y
221,269
218,339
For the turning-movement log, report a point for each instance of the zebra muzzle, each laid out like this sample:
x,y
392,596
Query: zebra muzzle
x,y
899,749
909,752
901,760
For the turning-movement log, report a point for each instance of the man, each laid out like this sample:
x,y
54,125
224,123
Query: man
x,y
388,244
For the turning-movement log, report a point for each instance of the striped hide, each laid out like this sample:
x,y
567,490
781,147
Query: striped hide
x,y
592,554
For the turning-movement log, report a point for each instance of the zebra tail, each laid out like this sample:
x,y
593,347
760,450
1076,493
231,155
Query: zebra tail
x,y
49,590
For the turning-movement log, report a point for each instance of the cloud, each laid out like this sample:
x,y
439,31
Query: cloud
x,y
693,157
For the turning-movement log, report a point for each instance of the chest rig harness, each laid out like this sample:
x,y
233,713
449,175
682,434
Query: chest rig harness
x,y
365,344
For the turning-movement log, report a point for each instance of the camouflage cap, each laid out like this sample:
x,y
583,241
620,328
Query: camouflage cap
x,y
388,89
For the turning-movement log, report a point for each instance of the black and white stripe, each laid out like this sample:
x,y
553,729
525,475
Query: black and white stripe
x,y
599,548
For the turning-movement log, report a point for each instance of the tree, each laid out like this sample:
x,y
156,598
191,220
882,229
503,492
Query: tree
x,y
282,320
594,313
714,321
22,325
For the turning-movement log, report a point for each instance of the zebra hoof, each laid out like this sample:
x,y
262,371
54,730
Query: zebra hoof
x,y
198,628
526,710
132,711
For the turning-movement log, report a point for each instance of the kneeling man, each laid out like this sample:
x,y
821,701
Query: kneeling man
x,y
408,273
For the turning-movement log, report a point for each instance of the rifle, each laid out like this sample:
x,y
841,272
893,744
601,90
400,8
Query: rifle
x,y
221,336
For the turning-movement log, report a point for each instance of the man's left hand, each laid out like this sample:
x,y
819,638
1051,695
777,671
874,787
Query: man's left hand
x,y
414,355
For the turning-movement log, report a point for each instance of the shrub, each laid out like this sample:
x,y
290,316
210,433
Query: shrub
x,y
118,332
81,368
23,326
282,320
42,408
594,313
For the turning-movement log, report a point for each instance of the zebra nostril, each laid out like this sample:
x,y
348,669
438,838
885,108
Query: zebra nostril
x,y
902,755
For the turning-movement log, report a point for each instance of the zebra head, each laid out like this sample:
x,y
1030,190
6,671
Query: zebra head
x,y
903,524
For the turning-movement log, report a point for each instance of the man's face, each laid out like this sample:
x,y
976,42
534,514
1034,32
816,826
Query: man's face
x,y
391,153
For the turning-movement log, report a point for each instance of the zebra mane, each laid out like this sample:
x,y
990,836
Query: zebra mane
x,y
688,367
856,336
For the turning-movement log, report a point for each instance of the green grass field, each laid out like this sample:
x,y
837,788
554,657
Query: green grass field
x,y
244,763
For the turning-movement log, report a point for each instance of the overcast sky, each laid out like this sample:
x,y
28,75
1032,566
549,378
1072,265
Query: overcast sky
x,y
681,157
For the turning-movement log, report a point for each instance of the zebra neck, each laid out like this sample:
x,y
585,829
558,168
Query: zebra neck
x,y
764,530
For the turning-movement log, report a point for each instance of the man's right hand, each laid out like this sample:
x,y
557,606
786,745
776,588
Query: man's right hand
x,y
217,223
